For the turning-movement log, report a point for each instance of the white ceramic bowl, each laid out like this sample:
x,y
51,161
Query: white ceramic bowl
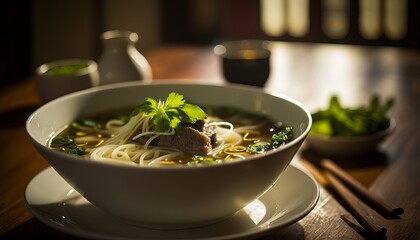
x,y
348,146
171,196
50,86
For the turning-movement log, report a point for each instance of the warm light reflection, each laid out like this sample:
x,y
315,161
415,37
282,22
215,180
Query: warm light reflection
x,y
273,17
370,19
341,69
335,20
395,19
256,211
280,62
279,17
375,18
336,65
70,192
298,17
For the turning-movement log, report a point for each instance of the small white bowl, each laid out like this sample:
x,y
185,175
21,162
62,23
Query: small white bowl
x,y
169,196
348,146
50,86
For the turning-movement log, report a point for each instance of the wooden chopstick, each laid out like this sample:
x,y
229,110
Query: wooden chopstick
x,y
376,202
357,210
332,176
316,173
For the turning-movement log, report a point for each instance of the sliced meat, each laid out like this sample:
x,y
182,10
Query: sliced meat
x,y
201,126
197,138
187,139
210,131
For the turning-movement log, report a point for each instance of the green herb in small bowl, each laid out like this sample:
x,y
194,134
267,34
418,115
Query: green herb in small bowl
x,y
68,69
339,130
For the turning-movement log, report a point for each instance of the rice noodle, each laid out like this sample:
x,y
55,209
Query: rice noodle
x,y
120,146
134,153
115,148
114,124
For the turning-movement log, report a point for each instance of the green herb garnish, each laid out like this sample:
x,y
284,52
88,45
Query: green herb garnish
x,y
337,120
171,113
208,160
67,144
67,69
278,139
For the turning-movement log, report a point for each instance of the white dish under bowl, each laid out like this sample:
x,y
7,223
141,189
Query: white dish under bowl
x,y
55,203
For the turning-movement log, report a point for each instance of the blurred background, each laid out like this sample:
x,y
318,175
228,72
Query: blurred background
x,y
38,31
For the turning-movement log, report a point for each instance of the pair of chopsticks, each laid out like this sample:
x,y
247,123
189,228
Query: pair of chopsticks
x,y
344,185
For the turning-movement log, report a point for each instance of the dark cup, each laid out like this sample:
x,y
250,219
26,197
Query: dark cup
x,y
245,62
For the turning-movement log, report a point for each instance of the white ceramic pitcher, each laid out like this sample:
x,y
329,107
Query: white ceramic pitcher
x,y
120,61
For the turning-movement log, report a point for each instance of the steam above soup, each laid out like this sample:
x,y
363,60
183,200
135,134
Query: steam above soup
x,y
171,132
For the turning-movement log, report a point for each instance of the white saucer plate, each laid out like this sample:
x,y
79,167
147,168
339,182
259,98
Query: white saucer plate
x,y
55,203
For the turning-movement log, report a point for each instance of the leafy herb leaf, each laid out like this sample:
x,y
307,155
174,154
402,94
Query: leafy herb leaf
x,y
171,113
278,139
198,160
67,144
337,120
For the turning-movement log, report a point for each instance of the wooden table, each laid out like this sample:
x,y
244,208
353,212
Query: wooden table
x,y
309,73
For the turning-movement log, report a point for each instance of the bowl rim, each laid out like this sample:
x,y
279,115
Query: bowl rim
x,y
109,87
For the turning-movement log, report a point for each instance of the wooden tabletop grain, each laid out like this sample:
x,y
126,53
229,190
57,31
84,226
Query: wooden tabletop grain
x,y
310,73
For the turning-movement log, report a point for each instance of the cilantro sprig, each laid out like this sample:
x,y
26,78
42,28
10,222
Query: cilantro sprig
x,y
171,113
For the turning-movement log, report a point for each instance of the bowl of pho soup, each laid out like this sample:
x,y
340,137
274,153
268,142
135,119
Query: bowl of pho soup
x,y
171,155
